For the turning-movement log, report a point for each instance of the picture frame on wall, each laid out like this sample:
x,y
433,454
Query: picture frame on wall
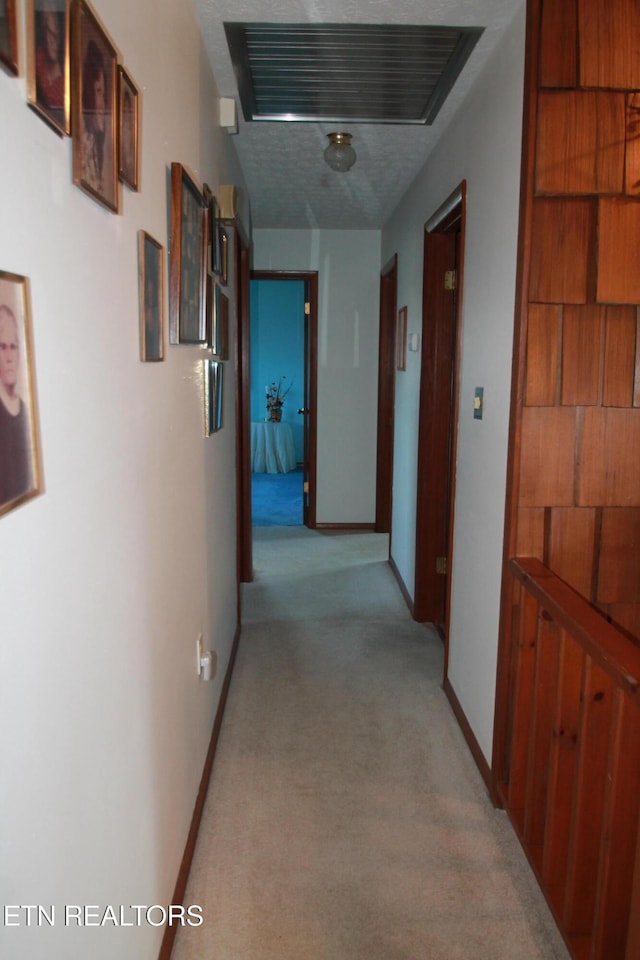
x,y
94,86
128,130
213,392
20,470
48,62
214,237
224,257
9,36
151,296
401,339
217,320
187,287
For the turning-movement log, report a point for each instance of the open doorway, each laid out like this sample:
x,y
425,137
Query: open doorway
x,y
282,398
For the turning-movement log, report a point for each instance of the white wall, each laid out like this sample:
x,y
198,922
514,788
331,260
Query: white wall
x,y
482,145
108,577
348,265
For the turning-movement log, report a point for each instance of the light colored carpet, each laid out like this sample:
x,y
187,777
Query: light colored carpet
x,y
346,819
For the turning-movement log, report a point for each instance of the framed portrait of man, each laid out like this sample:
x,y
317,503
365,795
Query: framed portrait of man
x,y
20,474
48,59
9,36
94,108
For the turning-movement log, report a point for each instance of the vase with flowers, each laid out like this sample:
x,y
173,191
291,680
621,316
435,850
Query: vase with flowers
x,y
275,393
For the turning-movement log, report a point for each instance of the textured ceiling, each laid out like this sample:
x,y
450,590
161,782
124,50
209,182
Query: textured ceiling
x,y
289,184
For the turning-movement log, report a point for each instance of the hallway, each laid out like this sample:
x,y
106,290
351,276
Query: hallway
x,y
345,817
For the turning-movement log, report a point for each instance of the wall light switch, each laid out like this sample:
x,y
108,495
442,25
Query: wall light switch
x,y
478,403
413,342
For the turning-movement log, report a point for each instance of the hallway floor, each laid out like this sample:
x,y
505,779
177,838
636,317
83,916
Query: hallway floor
x,y
345,817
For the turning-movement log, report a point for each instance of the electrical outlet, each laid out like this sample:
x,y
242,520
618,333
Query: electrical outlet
x,y
199,654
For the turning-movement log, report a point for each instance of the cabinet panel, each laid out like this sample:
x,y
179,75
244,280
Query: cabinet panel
x,y
561,245
580,146
618,276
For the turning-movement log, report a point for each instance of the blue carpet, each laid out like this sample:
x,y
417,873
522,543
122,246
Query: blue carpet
x,y
276,499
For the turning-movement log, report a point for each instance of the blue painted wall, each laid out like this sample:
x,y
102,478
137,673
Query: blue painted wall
x,y
277,349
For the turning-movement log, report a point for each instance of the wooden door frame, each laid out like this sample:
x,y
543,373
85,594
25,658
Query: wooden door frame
x,y
386,394
310,278
244,545
450,217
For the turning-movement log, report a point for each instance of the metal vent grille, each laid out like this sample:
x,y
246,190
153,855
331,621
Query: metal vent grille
x,y
356,72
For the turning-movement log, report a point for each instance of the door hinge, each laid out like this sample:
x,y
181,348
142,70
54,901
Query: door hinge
x,y
441,565
307,309
450,279
305,487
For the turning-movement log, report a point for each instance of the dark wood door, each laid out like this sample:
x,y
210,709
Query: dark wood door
x,y
244,550
386,394
305,410
435,442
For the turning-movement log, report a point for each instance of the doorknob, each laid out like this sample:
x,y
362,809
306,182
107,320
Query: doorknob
x,y
303,410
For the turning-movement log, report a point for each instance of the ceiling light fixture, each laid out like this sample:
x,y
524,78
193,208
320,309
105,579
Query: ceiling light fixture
x,y
340,155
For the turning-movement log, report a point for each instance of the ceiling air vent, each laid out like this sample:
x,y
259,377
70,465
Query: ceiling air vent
x,y
374,73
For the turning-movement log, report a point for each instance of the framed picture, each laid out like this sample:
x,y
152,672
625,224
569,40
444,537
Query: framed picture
x,y
401,339
128,125
19,435
48,58
213,396
224,257
223,325
93,108
9,36
214,237
151,295
187,306
218,320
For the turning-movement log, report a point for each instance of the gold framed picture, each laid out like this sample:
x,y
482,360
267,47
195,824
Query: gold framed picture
x,y
48,62
94,108
128,128
187,267
20,472
151,295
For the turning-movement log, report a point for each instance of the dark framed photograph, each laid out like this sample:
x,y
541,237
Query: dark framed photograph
x,y
48,59
9,36
187,290
213,380
128,127
224,257
151,294
223,325
94,108
401,339
217,320
20,475
214,237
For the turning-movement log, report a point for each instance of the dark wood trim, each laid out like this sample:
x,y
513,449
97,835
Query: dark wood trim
x,y
408,599
187,857
499,755
439,432
386,393
244,543
310,277
465,726
460,228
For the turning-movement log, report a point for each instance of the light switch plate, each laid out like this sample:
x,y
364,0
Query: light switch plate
x,y
478,403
